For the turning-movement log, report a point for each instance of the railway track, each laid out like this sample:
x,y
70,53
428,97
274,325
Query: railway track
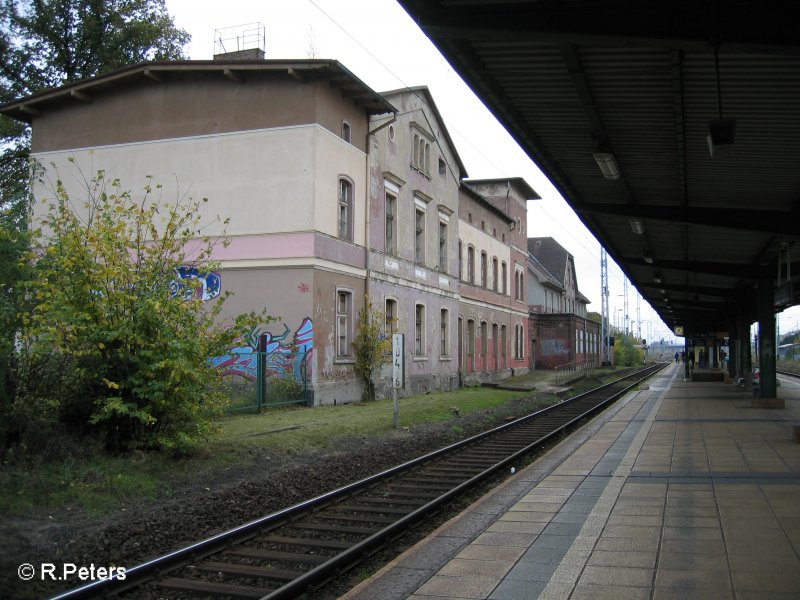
x,y
298,549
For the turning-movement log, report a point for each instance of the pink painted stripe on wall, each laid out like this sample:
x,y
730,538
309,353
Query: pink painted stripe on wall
x,y
280,245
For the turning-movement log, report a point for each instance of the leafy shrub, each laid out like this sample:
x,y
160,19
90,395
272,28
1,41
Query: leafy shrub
x,y
136,345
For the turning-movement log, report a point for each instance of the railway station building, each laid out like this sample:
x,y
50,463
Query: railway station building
x,y
335,194
493,324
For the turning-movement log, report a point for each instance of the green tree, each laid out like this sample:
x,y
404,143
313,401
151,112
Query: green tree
x,y
45,44
625,353
371,347
117,342
13,244
48,43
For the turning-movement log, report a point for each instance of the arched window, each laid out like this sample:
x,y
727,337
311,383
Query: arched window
x,y
346,131
345,229
484,266
470,264
460,261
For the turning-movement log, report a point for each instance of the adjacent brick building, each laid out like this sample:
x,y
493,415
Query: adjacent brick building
x,y
561,335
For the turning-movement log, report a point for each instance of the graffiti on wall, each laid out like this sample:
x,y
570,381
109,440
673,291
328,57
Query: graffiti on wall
x,y
284,354
208,288
554,348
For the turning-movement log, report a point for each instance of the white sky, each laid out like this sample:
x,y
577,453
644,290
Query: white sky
x,y
381,45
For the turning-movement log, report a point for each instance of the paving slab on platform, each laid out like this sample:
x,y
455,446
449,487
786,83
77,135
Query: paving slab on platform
x,y
683,490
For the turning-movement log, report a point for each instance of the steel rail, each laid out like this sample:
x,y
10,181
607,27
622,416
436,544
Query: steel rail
x,y
341,561
313,578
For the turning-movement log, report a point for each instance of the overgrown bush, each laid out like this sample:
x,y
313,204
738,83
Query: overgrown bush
x,y
118,343
625,353
372,348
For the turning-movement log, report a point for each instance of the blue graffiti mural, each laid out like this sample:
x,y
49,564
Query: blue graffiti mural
x,y
209,288
284,356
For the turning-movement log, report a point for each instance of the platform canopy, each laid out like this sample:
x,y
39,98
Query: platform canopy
x,y
671,128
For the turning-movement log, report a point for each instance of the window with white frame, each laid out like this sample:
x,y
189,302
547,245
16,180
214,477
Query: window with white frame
x,y
344,311
419,330
444,333
345,209
391,221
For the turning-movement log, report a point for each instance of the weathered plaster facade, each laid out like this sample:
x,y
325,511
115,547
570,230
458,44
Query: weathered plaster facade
x,y
493,316
335,194
269,143
414,174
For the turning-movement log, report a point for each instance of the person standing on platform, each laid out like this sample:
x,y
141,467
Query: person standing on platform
x,y
691,361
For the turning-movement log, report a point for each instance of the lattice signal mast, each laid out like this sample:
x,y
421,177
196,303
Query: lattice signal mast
x,y
605,330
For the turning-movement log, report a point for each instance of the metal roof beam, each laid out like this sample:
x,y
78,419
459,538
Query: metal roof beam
x,y
766,221
747,25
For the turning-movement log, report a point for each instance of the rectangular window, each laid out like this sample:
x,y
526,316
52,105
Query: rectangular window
x,y
391,211
443,247
419,236
443,333
391,317
344,306
419,330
